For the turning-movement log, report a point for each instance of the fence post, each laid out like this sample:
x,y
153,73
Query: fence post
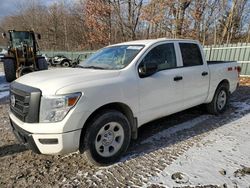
x,y
210,52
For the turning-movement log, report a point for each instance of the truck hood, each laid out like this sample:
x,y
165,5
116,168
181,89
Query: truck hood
x,y
52,80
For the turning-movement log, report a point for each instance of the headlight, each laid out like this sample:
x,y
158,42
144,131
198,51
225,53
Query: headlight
x,y
55,108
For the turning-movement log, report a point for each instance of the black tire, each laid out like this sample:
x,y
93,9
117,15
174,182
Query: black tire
x,y
9,69
65,63
49,62
215,107
99,123
42,64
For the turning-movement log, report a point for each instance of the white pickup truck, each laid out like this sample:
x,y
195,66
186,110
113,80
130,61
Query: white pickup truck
x,y
98,106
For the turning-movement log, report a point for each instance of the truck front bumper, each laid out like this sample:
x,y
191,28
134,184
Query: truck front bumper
x,y
24,137
47,143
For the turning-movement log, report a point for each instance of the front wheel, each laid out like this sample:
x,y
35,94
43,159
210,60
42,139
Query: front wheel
x,y
107,138
220,100
9,69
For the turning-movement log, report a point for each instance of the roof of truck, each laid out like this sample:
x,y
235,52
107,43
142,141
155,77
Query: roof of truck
x,y
152,41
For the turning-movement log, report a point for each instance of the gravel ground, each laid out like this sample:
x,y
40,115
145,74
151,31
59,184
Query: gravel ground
x,y
159,144
221,158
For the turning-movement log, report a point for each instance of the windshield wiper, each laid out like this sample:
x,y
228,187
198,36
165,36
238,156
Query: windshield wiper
x,y
89,67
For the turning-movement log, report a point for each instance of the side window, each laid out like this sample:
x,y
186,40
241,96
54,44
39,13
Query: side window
x,y
163,55
191,54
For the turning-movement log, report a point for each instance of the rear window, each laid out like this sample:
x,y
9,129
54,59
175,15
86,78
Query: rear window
x,y
191,55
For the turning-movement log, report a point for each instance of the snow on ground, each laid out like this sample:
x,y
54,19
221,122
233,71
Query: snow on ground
x,y
4,94
4,86
222,158
197,162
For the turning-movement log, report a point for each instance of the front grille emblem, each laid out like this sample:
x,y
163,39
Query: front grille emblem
x,y
12,100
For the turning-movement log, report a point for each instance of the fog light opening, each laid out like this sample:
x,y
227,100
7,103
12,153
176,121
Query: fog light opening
x,y
48,140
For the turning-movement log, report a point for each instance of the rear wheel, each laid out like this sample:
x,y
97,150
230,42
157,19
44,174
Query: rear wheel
x,y
107,138
65,63
9,69
42,64
220,101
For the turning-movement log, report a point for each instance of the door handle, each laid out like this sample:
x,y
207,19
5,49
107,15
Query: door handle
x,y
204,73
177,78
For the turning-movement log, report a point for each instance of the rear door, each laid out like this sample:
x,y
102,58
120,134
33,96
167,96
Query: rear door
x,y
195,74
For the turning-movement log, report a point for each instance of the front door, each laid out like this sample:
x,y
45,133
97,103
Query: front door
x,y
160,93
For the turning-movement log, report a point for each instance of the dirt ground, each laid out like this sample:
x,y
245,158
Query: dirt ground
x,y
245,81
159,144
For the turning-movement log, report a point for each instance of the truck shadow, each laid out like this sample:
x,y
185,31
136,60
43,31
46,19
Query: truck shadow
x,y
179,127
12,149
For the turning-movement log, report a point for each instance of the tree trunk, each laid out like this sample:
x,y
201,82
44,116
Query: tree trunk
x,y
184,4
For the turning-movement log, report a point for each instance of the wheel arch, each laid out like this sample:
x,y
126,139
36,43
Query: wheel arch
x,y
213,90
224,82
121,107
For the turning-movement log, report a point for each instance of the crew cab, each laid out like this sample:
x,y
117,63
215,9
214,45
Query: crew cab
x,y
98,106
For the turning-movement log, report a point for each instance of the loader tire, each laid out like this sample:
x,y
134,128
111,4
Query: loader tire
x,y
42,64
9,69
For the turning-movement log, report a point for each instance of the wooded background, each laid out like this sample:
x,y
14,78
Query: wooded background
x,y
90,24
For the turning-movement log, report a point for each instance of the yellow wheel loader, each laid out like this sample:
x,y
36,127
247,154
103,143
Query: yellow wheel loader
x,y
22,57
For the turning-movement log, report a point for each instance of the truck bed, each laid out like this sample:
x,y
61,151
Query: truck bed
x,y
223,70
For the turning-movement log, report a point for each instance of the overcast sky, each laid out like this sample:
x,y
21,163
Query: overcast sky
x,y
9,7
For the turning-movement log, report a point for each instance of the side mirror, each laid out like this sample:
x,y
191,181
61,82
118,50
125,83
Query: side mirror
x,y
39,36
147,69
4,35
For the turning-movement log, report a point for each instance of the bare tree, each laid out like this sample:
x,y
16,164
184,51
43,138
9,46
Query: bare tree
x,y
88,24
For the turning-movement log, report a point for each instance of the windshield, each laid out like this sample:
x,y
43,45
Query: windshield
x,y
21,37
116,57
